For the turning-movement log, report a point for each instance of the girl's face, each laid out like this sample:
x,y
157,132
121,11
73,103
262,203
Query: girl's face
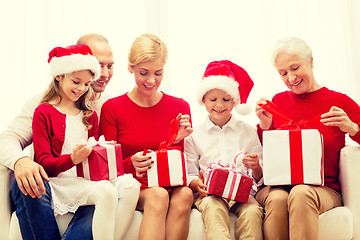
x,y
219,105
296,72
74,85
148,76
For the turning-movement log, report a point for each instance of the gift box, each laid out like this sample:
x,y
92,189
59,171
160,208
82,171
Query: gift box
x,y
103,163
293,154
293,157
228,180
169,168
229,184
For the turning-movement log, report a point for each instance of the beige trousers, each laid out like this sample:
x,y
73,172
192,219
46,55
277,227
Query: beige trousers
x,y
215,214
293,212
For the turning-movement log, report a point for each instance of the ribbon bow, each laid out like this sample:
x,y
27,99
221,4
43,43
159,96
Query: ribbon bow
x,y
92,141
173,132
288,122
237,166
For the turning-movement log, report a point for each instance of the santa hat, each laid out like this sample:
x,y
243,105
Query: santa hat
x,y
229,77
71,59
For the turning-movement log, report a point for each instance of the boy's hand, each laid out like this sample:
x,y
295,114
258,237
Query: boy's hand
x,y
80,153
252,161
197,185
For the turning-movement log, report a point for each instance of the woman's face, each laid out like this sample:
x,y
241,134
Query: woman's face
x,y
148,76
296,72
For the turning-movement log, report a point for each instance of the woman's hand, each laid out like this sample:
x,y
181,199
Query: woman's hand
x,y
338,118
185,128
80,153
141,163
264,117
197,185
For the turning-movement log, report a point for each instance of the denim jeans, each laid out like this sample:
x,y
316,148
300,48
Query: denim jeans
x,y
37,221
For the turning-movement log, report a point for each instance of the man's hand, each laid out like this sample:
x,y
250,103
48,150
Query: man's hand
x,y
29,176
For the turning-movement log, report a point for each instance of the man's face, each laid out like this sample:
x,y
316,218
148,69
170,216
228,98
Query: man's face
x,y
102,51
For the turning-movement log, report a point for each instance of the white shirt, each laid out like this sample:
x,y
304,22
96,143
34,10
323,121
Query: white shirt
x,y
209,143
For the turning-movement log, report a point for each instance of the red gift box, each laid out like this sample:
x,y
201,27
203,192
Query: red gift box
x,y
169,167
229,180
229,184
103,163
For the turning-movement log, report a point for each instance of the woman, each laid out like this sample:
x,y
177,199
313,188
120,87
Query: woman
x,y
293,211
140,119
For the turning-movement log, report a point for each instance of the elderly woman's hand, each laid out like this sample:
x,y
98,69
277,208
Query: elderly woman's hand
x,y
141,163
185,128
264,117
338,118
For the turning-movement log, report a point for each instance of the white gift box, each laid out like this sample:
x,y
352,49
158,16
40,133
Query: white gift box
x,y
169,168
293,157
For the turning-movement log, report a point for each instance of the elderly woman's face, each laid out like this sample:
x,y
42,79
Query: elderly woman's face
x,y
296,72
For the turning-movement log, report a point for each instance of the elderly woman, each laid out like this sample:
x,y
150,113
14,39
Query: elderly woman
x,y
293,211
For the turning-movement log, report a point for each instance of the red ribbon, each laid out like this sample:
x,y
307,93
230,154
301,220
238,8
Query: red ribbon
x,y
295,142
288,122
162,158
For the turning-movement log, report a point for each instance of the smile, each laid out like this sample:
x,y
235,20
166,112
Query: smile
x,y
296,84
217,111
149,87
77,94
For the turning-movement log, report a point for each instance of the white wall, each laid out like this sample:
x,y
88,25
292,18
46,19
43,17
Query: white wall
x,y
196,32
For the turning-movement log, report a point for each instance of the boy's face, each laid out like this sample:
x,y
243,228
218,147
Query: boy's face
x,y
219,105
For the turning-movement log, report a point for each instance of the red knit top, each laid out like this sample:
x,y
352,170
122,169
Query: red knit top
x,y
137,128
309,105
48,138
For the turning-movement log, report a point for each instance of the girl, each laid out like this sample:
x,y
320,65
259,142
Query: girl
x,y
140,119
60,123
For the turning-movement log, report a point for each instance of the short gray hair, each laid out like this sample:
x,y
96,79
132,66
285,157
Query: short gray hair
x,y
292,45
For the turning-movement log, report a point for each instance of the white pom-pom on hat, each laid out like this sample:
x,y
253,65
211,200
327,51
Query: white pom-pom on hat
x,y
232,79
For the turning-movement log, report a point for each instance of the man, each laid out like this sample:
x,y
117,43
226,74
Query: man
x,y
32,195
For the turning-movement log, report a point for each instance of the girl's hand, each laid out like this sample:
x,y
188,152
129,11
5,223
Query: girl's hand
x,y
252,161
264,117
185,128
80,153
141,163
338,118
197,185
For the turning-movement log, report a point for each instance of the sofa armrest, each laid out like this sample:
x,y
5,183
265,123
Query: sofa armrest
x,y
6,180
350,182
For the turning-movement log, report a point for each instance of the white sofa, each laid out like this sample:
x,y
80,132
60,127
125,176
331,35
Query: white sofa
x,y
338,223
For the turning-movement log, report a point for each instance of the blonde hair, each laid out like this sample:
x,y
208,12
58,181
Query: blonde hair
x,y
147,47
292,45
83,103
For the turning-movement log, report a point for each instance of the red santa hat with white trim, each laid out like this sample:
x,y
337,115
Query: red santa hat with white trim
x,y
71,59
229,77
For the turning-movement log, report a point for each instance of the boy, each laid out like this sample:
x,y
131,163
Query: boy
x,y
221,137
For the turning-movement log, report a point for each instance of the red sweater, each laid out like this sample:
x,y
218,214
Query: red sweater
x,y
136,127
48,138
306,106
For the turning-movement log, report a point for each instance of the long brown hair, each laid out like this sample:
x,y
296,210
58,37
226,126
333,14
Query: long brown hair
x,y
83,103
